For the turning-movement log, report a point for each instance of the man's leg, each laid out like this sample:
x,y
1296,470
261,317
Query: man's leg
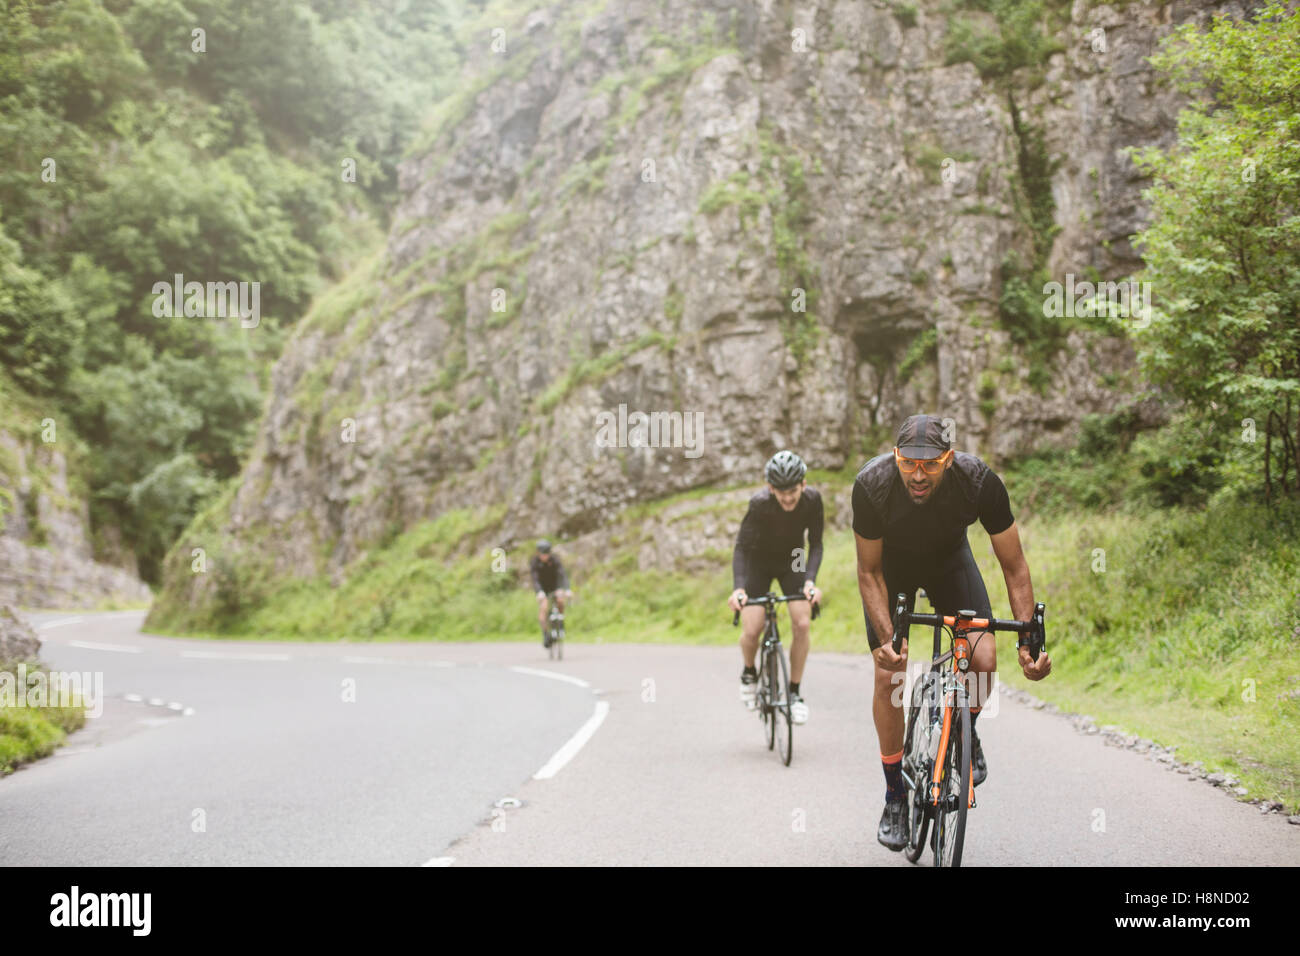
x,y
559,601
751,625
543,608
800,642
887,711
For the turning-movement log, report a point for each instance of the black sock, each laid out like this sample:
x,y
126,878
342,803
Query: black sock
x,y
794,688
974,717
751,671
894,788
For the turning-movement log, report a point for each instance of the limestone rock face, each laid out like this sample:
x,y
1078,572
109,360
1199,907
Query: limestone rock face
x,y
18,642
46,555
628,206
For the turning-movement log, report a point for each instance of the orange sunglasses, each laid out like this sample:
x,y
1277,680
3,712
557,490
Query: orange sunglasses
x,y
931,466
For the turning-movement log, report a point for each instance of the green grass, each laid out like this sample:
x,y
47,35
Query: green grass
x,y
29,733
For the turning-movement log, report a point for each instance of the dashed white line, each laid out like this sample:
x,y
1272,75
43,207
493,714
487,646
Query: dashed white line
x,y
552,674
576,742
440,861
59,622
233,656
93,646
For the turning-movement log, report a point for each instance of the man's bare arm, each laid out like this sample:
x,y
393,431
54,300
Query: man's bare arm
x,y
1020,590
1015,571
871,585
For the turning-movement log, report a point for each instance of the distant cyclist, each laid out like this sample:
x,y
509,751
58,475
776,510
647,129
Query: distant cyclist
x,y
548,576
771,545
911,508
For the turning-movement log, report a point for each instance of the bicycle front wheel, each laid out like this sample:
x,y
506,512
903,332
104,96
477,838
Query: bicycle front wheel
x,y
781,722
916,761
954,788
766,695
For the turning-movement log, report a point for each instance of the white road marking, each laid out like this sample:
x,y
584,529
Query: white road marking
x,y
156,701
133,698
120,648
552,674
366,660
59,622
576,742
440,861
232,656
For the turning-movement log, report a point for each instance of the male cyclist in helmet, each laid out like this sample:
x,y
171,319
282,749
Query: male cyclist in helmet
x,y
548,575
911,508
771,545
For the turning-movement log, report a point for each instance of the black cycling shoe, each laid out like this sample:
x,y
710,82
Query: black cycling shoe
x,y
892,833
978,768
546,639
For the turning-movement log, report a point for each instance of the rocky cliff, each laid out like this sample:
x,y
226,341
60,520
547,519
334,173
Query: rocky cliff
x,y
46,553
788,224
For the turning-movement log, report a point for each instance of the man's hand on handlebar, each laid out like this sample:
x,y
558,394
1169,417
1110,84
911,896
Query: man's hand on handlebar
x,y
812,593
737,599
1034,669
886,659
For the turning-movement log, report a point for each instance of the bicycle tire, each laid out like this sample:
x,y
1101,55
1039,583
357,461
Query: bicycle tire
x,y
917,764
950,817
781,716
769,713
559,646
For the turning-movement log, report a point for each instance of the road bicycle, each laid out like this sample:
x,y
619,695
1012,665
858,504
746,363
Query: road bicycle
x,y
555,624
772,700
937,741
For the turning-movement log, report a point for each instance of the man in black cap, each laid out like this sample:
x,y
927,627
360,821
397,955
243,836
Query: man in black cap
x,y
911,508
548,576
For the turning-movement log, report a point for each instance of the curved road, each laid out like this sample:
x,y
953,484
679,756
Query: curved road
x,y
263,761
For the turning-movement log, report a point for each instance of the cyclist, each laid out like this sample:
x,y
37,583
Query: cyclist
x,y
548,576
911,508
771,545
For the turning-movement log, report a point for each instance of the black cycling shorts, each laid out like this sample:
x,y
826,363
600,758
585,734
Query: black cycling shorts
x,y
759,575
952,582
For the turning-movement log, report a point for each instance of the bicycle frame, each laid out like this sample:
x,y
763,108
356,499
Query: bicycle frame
x,y
953,684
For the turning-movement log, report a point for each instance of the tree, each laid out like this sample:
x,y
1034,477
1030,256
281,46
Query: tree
x,y
1223,249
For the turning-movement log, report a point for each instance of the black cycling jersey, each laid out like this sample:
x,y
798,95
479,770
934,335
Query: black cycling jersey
x,y
769,536
548,576
970,489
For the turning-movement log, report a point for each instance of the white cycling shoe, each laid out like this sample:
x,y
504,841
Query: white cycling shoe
x,y
798,709
749,690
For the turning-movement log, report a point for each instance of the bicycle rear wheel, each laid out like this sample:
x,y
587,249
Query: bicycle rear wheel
x,y
784,727
916,761
955,788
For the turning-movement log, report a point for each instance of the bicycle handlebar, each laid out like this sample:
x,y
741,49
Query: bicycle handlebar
x,y
967,621
775,599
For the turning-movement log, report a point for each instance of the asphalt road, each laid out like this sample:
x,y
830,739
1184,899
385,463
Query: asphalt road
x,y
667,768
